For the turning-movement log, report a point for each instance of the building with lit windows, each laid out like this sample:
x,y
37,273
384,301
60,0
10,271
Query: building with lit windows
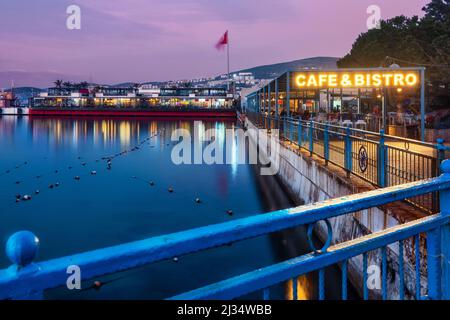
x,y
145,99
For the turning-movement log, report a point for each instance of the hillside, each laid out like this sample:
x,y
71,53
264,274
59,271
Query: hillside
x,y
274,70
260,72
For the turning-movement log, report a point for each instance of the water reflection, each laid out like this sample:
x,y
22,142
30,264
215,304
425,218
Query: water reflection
x,y
107,131
305,288
111,207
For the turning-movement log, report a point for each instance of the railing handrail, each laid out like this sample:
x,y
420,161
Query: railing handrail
x,y
37,277
366,132
269,276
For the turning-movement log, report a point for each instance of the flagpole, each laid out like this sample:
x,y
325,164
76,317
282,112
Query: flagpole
x,y
228,60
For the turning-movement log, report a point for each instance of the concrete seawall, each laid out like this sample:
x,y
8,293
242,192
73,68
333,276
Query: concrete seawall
x,y
310,180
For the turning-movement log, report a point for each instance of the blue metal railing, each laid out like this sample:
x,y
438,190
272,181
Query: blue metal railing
x,y
378,158
25,279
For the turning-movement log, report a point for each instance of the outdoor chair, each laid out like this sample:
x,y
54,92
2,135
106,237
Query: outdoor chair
x,y
361,124
347,123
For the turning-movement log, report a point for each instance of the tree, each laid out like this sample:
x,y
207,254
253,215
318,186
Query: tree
x,y
58,84
67,84
83,85
409,42
438,10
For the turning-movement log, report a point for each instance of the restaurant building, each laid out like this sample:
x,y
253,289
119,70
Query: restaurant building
x,y
133,99
371,97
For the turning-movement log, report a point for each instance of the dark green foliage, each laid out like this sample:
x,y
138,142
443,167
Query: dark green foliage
x,y
408,42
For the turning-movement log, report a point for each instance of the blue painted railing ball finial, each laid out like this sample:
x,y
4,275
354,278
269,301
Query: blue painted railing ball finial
x,y
445,166
22,248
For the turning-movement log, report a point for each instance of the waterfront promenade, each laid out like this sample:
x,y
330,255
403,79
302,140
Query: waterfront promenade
x,y
379,159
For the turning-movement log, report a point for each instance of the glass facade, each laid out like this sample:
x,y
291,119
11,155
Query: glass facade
x,y
179,98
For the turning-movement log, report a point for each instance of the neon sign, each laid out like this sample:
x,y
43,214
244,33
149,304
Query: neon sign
x,y
354,79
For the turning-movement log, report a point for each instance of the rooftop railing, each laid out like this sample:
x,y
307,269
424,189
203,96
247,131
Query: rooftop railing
x,y
26,279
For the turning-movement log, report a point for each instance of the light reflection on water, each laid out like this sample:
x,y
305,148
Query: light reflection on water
x,y
112,207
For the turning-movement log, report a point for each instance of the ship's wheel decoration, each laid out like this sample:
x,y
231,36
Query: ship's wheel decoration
x,y
363,159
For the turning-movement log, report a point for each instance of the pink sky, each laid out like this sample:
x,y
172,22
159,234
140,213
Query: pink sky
x,y
146,40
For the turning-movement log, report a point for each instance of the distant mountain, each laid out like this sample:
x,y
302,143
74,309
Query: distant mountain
x,y
29,80
123,85
273,70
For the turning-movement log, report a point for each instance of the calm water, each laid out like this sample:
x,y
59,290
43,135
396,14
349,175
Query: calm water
x,y
118,205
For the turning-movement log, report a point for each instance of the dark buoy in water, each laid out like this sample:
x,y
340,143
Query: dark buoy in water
x,y
197,200
83,164
77,177
51,186
56,171
17,182
17,200
170,189
18,196
152,183
57,184
97,285
69,167
230,212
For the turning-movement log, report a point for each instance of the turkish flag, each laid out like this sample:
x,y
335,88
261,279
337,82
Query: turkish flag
x,y
223,41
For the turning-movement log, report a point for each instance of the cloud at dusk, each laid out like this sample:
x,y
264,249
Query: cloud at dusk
x,y
147,40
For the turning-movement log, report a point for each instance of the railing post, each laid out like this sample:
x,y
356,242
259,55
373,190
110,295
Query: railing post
x,y
445,235
311,138
21,249
326,144
440,154
348,151
300,133
381,169
291,129
269,98
286,132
